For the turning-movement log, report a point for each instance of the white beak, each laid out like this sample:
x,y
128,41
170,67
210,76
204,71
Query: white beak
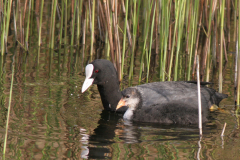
x,y
88,81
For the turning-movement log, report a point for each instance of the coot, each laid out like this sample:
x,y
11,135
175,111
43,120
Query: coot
x,y
143,109
103,73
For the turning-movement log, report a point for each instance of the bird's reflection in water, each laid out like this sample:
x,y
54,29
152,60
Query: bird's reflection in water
x,y
129,132
113,129
103,136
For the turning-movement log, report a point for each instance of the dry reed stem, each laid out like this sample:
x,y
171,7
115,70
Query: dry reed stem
x,y
107,14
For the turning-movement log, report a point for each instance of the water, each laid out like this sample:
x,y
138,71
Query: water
x,y
52,119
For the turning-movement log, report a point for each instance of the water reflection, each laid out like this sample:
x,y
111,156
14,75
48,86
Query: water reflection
x,y
114,136
84,140
130,132
103,135
52,119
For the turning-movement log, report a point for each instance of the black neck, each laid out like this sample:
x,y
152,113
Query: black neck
x,y
110,95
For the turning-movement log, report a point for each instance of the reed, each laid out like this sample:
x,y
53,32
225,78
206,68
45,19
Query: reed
x,y
166,13
177,12
151,38
222,7
53,18
9,109
79,18
83,40
199,99
235,19
238,62
92,31
236,59
73,22
33,5
8,13
135,25
180,24
238,80
124,36
14,21
65,21
40,24
61,23
28,22
208,58
146,28
116,38
192,35
109,29
3,28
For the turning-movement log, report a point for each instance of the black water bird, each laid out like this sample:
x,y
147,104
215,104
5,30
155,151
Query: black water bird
x,y
142,108
177,93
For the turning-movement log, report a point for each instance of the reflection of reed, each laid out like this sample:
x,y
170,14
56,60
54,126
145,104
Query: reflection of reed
x,y
199,148
85,141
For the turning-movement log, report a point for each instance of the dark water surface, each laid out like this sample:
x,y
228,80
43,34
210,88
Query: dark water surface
x,y
52,119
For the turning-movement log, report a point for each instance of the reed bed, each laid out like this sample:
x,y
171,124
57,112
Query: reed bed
x,y
167,35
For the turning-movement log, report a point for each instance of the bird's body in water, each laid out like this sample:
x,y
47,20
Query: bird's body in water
x,y
179,94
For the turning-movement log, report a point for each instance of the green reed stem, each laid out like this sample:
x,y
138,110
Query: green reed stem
x,y
209,40
66,23
14,21
192,34
161,36
208,61
9,109
238,78
53,24
8,18
146,28
79,21
5,24
151,38
124,37
31,18
92,31
61,23
221,46
28,22
177,10
3,32
40,24
182,9
166,12
134,39
238,61
135,25
73,22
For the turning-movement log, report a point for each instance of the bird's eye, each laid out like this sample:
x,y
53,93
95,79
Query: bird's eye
x,y
127,96
96,71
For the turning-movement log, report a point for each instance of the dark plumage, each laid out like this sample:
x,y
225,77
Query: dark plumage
x,y
173,112
103,73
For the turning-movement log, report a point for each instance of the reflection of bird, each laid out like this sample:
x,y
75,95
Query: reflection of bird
x,y
103,136
179,93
